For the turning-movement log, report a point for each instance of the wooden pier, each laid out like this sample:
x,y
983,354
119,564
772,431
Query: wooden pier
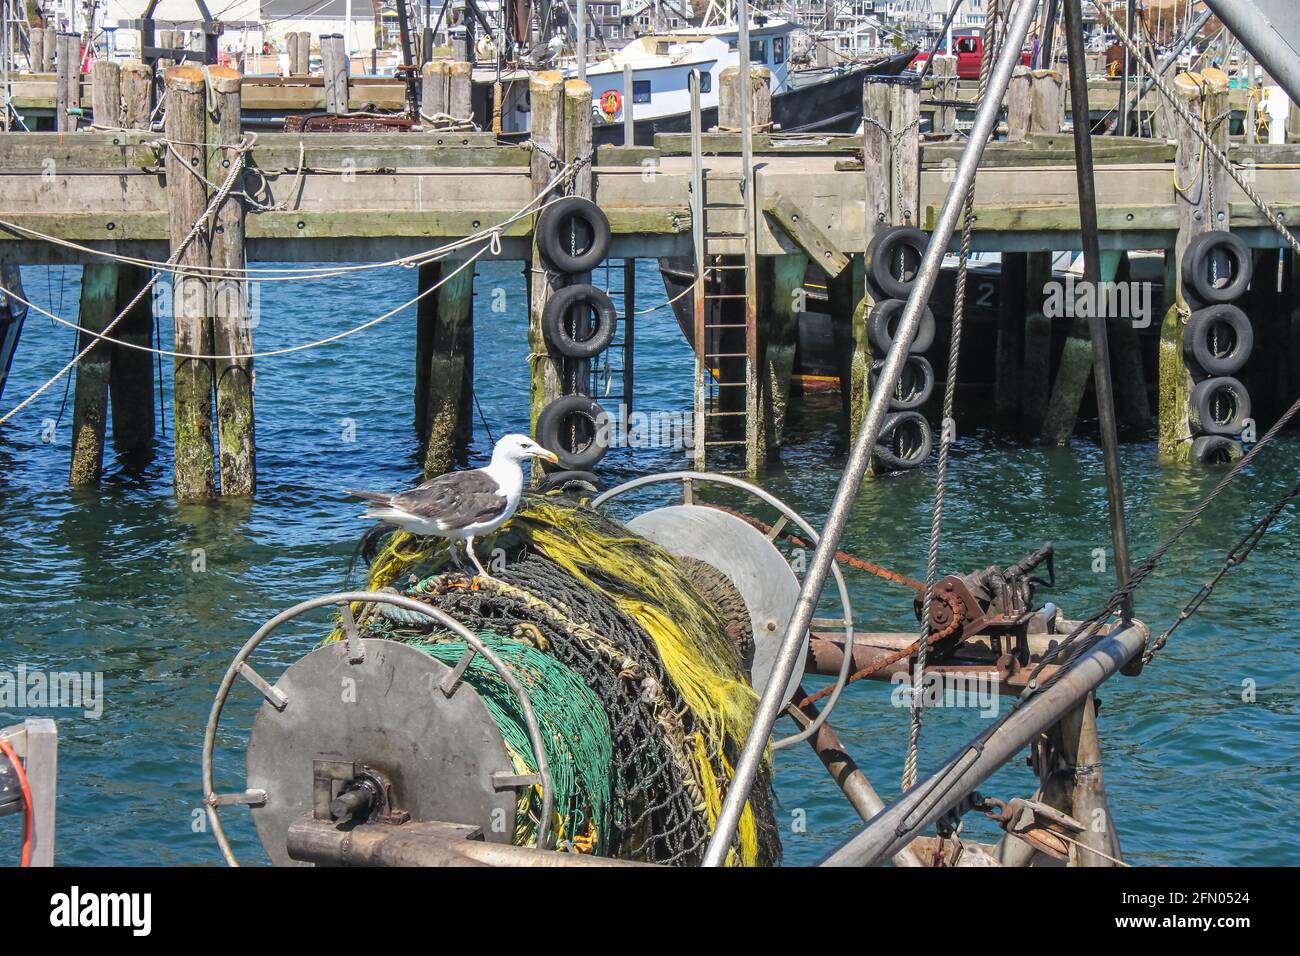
x,y
378,197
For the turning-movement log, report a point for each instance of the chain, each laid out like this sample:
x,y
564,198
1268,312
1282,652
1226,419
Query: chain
x,y
571,177
894,142
1237,556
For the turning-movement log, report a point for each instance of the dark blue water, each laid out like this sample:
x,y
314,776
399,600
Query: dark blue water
x,y
157,596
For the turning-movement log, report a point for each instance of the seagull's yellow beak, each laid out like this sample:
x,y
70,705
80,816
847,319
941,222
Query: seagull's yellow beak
x,y
550,456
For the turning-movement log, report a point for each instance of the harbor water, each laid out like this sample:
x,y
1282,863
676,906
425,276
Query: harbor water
x,y
1200,751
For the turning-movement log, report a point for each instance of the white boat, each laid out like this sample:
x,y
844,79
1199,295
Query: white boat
x,y
661,64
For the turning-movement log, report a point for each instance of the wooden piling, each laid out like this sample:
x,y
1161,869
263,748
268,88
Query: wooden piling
x,y
106,95
36,49
1047,102
876,166
546,96
945,88
577,149
1037,381
232,324
1018,104
730,91
1081,754
446,334
137,94
905,159
304,53
187,197
778,330
334,68
130,377
166,40
68,45
90,402
1075,366
1193,168
1009,359
460,90
291,50
433,88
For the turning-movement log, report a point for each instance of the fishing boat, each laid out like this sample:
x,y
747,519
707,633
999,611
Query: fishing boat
x,y
661,63
12,314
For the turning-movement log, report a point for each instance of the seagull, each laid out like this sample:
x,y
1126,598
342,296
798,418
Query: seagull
x,y
462,504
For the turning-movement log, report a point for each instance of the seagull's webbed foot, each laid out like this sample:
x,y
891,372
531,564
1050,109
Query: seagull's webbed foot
x,y
455,555
482,575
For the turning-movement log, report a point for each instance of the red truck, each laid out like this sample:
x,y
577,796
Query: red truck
x,y
970,50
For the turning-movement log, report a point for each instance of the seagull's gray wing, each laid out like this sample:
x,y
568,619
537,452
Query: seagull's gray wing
x,y
456,500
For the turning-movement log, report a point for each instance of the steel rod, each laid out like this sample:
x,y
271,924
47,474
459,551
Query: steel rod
x,y
896,826
770,706
1092,276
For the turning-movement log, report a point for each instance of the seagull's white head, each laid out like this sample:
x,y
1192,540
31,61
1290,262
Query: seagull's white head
x,y
516,448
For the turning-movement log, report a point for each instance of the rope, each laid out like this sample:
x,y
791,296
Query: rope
x,y
627,619
1274,218
492,239
212,206
285,275
922,645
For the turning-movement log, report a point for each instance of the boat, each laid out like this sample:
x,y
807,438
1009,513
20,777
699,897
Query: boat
x,y
12,314
822,100
826,101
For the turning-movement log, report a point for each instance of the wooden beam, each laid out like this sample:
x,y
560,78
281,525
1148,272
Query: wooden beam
x,y
818,247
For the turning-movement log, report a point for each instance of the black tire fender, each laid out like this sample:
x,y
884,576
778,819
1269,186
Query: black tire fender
x,y
886,458
1199,351
559,480
555,321
882,256
554,234
1206,410
922,383
885,315
1196,263
550,431
1215,450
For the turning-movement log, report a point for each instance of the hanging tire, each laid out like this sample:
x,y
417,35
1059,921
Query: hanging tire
x,y
1215,450
579,481
884,319
576,429
892,259
1218,340
1220,406
558,328
573,235
915,383
905,442
1201,259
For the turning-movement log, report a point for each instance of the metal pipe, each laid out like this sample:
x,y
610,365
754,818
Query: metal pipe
x,y
919,807
1249,25
419,844
581,46
844,770
1121,128
770,705
1092,276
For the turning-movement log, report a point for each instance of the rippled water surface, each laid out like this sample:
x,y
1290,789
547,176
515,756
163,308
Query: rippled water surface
x,y
157,597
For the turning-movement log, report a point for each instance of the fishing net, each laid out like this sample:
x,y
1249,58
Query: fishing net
x,y
637,661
